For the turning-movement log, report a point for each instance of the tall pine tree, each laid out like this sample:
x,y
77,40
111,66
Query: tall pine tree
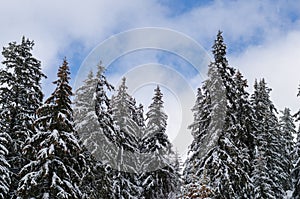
x,y
194,186
125,177
296,154
287,130
5,179
20,96
100,152
55,170
220,153
160,179
268,169
86,120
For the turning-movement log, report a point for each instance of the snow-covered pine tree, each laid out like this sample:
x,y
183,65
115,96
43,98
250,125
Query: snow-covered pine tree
x,y
5,179
296,157
122,110
220,152
55,170
242,129
268,168
5,141
287,130
193,186
177,176
160,177
103,105
100,153
86,120
20,96
125,177
198,130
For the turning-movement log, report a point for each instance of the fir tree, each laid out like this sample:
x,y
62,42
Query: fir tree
x,y
296,154
125,177
55,171
160,178
86,120
199,131
5,179
20,96
219,126
100,152
287,129
268,168
103,105
194,186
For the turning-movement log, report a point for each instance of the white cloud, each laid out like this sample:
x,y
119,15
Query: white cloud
x,y
278,62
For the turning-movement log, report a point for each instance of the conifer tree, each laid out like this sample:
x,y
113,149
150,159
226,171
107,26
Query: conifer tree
x,y
5,179
100,152
296,154
160,180
194,186
125,177
287,130
57,163
91,133
268,168
199,131
20,96
220,152
103,106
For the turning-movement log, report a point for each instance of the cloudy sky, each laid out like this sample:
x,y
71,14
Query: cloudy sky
x,y
263,40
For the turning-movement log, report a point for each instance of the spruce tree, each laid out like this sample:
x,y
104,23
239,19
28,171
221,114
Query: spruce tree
x,y
296,154
125,177
268,167
194,186
287,130
100,152
220,152
57,162
91,133
20,96
103,105
199,131
160,178
5,179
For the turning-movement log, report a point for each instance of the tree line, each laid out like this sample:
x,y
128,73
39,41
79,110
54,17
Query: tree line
x,y
103,145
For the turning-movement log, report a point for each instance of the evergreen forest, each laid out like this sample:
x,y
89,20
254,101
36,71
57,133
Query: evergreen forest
x,y
96,142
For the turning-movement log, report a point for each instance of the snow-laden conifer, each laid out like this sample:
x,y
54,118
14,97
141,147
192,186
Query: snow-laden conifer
x,y
160,177
100,151
5,179
268,164
20,96
287,130
125,174
55,171
296,157
220,152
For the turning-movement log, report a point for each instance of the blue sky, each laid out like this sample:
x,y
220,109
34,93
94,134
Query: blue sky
x,y
263,39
